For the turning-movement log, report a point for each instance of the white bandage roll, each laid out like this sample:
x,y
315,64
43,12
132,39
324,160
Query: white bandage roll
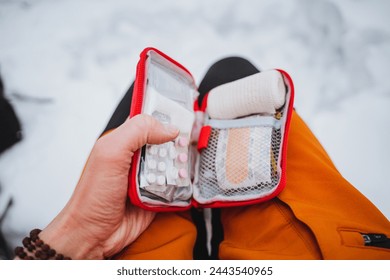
x,y
263,92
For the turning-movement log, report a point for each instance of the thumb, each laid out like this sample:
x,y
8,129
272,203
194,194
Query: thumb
x,y
136,132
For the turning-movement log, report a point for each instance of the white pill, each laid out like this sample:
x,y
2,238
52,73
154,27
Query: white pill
x,y
160,180
172,152
161,166
151,178
162,152
153,150
174,173
152,164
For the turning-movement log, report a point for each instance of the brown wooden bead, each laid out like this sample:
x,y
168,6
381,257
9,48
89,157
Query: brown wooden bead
x,y
18,250
44,256
34,234
22,255
34,238
51,253
26,241
41,255
30,247
45,247
59,257
38,254
39,243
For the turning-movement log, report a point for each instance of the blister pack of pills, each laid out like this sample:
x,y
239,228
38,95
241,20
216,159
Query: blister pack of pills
x,y
230,151
165,168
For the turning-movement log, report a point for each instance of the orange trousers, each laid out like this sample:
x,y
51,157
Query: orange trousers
x,y
318,215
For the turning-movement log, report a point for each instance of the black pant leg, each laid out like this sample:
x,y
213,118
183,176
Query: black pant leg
x,y
221,72
122,111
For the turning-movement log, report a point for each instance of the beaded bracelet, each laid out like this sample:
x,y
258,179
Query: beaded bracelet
x,y
37,249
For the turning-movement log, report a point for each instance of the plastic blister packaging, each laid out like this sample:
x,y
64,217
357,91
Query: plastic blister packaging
x,y
165,172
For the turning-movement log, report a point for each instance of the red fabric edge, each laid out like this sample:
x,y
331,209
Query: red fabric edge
x,y
204,136
135,109
204,103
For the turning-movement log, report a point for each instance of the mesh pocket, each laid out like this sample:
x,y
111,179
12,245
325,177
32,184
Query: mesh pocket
x,y
239,164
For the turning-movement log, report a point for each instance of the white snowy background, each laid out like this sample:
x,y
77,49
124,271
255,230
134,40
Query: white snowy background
x,y
66,65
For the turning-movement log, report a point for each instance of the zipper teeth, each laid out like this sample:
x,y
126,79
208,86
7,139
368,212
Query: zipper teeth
x,y
140,86
138,97
287,128
135,109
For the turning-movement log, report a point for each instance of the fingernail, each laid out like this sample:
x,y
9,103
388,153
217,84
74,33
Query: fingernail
x,y
171,129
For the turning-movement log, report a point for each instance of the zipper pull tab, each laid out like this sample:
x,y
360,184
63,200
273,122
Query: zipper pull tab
x,y
374,238
278,115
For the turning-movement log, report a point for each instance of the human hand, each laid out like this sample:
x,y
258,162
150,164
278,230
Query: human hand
x,y
98,221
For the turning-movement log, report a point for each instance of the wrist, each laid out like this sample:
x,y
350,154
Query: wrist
x,y
65,235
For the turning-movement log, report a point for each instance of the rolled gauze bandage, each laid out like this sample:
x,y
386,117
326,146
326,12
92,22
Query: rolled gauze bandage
x,y
263,92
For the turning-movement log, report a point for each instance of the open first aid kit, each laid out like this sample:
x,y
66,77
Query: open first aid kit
x,y
231,149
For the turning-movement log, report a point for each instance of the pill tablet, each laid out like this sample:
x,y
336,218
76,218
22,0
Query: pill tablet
x,y
172,152
162,152
153,150
183,157
152,164
161,166
174,173
160,180
151,178
182,141
183,173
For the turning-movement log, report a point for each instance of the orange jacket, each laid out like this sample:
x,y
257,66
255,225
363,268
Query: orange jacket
x,y
319,215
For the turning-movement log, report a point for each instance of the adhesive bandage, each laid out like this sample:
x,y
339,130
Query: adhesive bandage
x,y
259,93
243,157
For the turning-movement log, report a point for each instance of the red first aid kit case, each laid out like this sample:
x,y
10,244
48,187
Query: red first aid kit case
x,y
231,150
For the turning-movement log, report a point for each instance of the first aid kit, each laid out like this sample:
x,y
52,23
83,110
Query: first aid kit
x,y
231,149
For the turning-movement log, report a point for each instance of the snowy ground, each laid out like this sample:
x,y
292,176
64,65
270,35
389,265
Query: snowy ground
x,y
66,64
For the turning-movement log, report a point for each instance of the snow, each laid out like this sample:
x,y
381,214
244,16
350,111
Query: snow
x,y
66,65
